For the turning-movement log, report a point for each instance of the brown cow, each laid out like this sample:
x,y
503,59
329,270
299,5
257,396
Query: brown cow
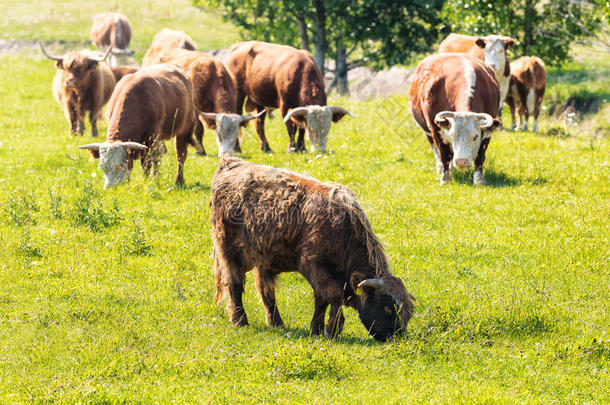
x,y
83,82
274,221
283,77
112,29
146,108
453,99
527,87
492,49
215,96
163,40
121,71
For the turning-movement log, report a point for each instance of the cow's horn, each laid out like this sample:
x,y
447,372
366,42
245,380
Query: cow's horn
x,y
441,116
251,117
208,115
371,282
296,111
101,58
134,145
91,146
44,51
486,120
341,110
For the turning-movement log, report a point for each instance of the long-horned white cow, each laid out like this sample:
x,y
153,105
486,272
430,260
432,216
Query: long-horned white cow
x,y
492,49
454,98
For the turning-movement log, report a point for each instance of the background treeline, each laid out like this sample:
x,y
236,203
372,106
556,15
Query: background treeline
x,y
381,33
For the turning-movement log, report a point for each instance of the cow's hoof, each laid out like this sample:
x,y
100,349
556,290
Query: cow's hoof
x,y
201,153
446,178
478,179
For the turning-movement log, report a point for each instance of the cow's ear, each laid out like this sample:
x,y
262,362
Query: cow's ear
x,y
95,153
480,42
92,64
508,43
355,279
496,123
59,64
443,123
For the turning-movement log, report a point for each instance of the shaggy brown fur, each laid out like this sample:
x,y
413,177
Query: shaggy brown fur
x,y
274,221
80,85
121,71
163,40
111,29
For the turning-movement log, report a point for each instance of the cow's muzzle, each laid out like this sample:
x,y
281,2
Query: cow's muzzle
x,y
462,163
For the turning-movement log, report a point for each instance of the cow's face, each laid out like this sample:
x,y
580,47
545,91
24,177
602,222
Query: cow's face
x,y
495,52
385,306
464,131
113,161
227,132
77,68
316,119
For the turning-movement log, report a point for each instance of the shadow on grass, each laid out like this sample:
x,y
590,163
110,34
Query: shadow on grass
x,y
195,186
298,333
494,178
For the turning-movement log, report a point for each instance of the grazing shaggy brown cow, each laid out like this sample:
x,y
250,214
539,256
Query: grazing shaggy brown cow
x,y
215,97
146,108
83,82
112,29
492,49
527,86
279,76
164,39
274,221
454,98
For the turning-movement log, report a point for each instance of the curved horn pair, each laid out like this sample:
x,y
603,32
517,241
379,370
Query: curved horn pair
x,y
101,58
127,145
340,110
486,120
212,116
443,115
45,53
376,283
300,111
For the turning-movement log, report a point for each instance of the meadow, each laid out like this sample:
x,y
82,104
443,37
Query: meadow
x,y
108,296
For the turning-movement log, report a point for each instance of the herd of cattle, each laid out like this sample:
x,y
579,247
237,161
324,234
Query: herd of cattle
x,y
271,220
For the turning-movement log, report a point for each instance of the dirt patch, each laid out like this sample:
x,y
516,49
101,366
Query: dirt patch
x,y
29,47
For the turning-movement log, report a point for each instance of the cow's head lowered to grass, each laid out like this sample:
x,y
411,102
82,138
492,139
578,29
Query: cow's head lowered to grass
x,y
465,131
114,160
385,305
316,120
227,128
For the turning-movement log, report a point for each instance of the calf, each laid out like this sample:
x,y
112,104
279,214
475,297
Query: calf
x,y
283,77
492,49
215,97
167,39
112,29
527,86
147,107
454,98
273,221
83,82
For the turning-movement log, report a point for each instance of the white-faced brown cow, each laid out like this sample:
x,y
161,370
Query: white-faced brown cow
x,y
83,82
147,107
167,39
112,29
492,49
273,221
215,97
279,76
454,98
527,87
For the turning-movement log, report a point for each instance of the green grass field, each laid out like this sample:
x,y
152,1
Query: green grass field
x,y
108,296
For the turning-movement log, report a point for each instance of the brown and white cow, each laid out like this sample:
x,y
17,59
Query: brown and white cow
x,y
167,39
279,76
215,97
274,221
454,98
492,49
112,29
147,107
527,87
83,82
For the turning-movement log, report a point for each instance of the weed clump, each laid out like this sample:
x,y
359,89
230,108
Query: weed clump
x,y
21,209
89,210
136,245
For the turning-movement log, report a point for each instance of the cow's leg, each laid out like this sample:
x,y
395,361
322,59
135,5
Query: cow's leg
x,y
259,123
539,96
301,140
446,157
292,130
93,122
73,117
478,178
181,143
198,138
81,121
335,321
265,282
319,313
437,157
230,280
327,291
511,106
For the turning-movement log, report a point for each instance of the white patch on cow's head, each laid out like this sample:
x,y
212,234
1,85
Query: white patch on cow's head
x,y
464,132
318,121
495,53
470,77
113,161
227,132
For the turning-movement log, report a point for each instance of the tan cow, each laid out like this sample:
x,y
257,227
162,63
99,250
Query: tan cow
x,y
112,29
167,39
527,87
83,82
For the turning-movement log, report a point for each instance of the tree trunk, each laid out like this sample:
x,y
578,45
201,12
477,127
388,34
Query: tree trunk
x,y
303,33
528,26
341,69
319,38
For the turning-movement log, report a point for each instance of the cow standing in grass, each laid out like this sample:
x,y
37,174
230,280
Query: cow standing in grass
x,y
83,83
164,40
112,29
454,98
527,87
273,221
279,76
147,107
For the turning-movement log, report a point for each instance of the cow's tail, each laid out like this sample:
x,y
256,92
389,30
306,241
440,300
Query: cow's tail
x,y
118,42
